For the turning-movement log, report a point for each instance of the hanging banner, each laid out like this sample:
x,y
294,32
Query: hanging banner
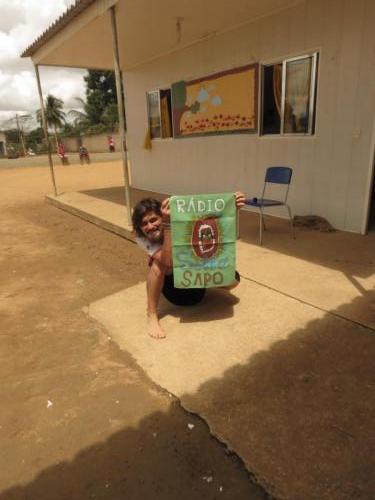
x,y
223,103
203,231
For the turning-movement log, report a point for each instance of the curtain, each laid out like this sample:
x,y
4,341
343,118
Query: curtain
x,y
297,95
277,77
166,125
153,114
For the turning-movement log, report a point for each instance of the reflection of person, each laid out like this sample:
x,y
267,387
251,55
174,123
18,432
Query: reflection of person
x,y
111,144
151,223
61,153
83,155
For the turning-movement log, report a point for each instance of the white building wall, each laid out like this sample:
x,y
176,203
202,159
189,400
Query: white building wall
x,y
330,168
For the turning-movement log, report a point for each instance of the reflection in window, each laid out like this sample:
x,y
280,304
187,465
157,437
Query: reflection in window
x,y
297,96
159,113
154,114
288,96
166,113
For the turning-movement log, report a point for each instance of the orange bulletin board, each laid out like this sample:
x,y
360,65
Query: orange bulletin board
x,y
225,102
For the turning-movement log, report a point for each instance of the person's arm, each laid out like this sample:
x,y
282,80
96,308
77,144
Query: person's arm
x,y
240,199
166,251
164,254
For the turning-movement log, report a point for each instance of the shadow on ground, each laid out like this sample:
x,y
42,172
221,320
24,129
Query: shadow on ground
x,y
131,464
301,413
116,194
349,253
216,305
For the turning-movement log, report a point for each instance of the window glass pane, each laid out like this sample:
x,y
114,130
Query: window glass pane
x,y
297,96
154,114
272,76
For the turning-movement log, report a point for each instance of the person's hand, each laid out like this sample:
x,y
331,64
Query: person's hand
x,y
165,211
240,199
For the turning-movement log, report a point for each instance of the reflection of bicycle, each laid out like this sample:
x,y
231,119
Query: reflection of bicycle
x,y
64,159
84,158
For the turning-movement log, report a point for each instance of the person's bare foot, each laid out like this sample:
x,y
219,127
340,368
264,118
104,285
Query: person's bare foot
x,y
154,329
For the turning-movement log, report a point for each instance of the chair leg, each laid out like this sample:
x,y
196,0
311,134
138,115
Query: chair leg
x,y
261,222
291,221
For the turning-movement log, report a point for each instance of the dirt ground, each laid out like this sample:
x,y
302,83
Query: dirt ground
x,y
78,419
42,161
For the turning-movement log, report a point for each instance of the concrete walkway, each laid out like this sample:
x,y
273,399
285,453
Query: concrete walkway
x,y
282,369
331,271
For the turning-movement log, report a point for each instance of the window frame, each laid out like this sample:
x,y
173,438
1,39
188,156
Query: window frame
x,y
312,96
148,94
158,92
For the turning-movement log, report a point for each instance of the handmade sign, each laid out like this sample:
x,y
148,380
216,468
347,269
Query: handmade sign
x,y
223,103
203,240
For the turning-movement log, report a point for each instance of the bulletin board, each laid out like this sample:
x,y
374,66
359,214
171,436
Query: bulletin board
x,y
223,103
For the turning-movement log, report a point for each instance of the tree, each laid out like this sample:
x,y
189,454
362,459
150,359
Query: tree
x,y
100,93
55,115
110,116
79,118
98,113
15,128
12,135
34,139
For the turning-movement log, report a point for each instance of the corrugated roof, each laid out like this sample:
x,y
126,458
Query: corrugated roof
x,y
72,12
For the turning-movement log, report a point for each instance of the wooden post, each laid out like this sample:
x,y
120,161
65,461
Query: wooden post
x,y
44,122
121,107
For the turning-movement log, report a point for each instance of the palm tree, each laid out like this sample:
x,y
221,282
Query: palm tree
x,y
55,115
79,118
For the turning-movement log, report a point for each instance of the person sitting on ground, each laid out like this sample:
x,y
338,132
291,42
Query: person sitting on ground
x,y
83,155
151,223
61,153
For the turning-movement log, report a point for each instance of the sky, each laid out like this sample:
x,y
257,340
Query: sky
x,y
21,22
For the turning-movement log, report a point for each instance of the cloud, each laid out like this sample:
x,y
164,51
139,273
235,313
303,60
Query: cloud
x,y
9,13
21,22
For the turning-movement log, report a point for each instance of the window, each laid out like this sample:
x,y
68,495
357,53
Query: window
x,y
289,96
160,114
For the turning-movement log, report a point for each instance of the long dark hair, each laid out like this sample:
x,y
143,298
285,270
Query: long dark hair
x,y
143,207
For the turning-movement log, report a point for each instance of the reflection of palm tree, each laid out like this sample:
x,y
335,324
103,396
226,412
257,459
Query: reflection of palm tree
x,y
80,118
55,115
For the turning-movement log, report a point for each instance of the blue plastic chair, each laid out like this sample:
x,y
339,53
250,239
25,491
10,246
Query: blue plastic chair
x,y
274,175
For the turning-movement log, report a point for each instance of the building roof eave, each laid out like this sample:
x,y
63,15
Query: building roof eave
x,y
72,12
